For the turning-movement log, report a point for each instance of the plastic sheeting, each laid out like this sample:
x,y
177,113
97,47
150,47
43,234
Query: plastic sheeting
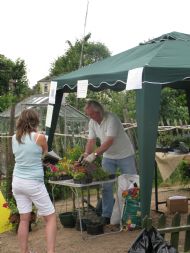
x,y
150,241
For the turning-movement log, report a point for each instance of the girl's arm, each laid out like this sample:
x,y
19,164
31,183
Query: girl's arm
x,y
41,141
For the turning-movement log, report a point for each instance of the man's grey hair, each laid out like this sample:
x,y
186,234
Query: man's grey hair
x,y
96,106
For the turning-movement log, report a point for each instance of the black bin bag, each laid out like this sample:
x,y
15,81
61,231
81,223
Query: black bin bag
x,y
150,241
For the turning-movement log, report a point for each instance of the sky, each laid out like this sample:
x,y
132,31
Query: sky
x,y
36,31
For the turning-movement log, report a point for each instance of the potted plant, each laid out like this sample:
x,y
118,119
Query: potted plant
x,y
65,169
100,175
79,177
14,217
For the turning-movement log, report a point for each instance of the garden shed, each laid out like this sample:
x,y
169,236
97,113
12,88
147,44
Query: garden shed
x,y
166,63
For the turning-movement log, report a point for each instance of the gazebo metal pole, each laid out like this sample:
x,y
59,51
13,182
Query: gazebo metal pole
x,y
50,131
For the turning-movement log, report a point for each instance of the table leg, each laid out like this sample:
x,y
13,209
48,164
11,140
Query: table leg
x,y
79,210
88,199
73,199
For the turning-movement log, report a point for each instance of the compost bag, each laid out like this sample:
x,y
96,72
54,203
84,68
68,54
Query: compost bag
x,y
150,241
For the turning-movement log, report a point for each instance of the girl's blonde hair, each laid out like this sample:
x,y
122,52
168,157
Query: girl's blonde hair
x,y
26,123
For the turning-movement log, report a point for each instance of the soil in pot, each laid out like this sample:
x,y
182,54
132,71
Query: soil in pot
x,y
95,228
67,219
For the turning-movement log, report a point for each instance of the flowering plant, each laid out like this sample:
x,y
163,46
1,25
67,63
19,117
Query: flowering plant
x,y
132,192
60,170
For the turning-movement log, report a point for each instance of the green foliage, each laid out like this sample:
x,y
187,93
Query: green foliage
x,y
181,175
6,101
99,174
120,103
165,139
92,52
168,139
173,105
73,154
183,170
6,66
79,175
12,205
13,76
13,82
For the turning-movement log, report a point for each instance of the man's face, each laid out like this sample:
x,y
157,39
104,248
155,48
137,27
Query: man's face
x,y
89,111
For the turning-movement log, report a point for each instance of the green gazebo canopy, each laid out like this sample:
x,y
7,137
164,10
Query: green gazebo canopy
x,y
166,62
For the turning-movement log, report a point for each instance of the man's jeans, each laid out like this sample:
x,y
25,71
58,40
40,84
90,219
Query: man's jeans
x,y
126,166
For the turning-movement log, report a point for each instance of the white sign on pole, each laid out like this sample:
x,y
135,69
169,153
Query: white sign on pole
x,y
82,87
52,92
49,115
134,79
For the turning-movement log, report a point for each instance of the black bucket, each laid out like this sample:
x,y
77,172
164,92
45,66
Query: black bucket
x,y
67,219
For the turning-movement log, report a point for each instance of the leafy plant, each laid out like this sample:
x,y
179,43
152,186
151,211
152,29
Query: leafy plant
x,y
165,139
79,175
73,154
12,205
184,171
99,174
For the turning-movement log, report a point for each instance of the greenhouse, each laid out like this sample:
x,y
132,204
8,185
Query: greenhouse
x,y
71,122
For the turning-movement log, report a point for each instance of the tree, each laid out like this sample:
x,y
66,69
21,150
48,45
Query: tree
x,y
92,52
12,77
13,87
173,105
5,74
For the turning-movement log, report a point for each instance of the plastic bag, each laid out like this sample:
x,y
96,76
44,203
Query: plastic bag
x,y
132,212
151,242
124,182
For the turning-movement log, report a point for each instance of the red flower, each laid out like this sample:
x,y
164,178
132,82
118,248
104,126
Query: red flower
x,y
5,205
53,168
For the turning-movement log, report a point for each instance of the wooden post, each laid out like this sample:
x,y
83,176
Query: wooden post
x,y
175,235
187,236
162,223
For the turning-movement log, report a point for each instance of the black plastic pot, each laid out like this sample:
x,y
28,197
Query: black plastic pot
x,y
112,176
86,180
65,177
54,178
95,228
67,219
84,223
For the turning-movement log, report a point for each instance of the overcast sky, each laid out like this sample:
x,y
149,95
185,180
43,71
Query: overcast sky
x,y
36,30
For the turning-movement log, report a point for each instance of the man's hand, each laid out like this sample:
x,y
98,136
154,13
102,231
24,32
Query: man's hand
x,y
89,159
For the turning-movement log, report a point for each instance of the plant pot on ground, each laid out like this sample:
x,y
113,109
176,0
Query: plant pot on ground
x,y
84,222
95,228
67,219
